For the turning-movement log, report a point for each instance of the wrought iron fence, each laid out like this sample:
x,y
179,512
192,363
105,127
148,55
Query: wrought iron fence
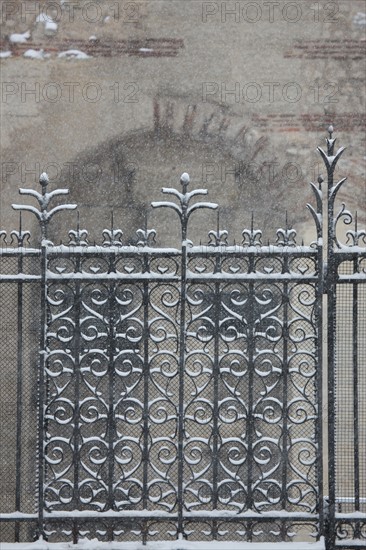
x,y
178,393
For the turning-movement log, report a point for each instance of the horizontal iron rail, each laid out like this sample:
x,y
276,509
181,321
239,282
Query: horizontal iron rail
x,y
357,278
127,515
349,499
133,252
197,279
20,278
218,277
34,252
351,516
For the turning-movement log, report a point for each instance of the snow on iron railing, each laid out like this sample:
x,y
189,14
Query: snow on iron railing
x,y
252,237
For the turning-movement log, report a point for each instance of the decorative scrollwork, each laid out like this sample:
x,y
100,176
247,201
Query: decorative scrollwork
x,y
353,530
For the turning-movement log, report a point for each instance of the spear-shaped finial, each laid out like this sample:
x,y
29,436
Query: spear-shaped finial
x,y
330,158
43,214
146,216
183,209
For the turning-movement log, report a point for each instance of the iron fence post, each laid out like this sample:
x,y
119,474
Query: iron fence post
x,y
182,344
330,161
76,431
41,390
19,411
146,372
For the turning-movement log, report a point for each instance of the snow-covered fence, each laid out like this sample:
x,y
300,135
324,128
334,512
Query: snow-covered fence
x,y
163,393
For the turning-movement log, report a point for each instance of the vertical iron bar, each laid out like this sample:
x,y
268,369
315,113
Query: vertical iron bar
x,y
215,429
146,390
251,353
285,389
249,530
41,388
18,459
318,311
331,292
355,394
111,420
183,299
76,434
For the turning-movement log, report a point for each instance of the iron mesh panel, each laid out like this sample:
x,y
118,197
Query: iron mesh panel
x,y
344,396
31,336
8,394
362,391
350,475
8,265
19,345
7,531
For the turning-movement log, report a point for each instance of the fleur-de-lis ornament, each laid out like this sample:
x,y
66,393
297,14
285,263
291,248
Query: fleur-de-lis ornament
x,y
78,237
112,237
252,237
